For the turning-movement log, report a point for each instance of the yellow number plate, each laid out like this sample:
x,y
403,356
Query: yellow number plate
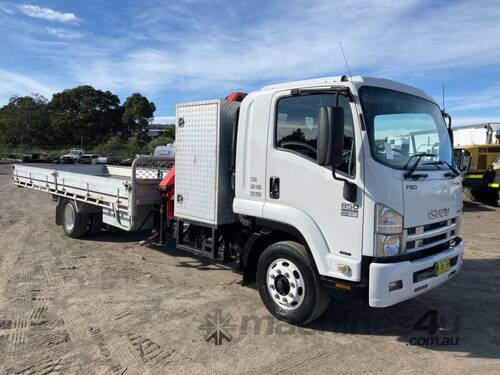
x,y
442,266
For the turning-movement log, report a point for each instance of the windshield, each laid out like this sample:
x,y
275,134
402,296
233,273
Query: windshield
x,y
401,125
74,152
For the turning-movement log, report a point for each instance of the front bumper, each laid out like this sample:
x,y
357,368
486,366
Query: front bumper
x,y
413,274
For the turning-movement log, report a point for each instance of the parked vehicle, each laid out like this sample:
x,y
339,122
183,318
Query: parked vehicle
x,y
72,156
309,188
103,160
31,158
38,158
168,151
88,159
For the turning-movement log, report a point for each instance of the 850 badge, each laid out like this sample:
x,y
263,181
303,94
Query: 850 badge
x,y
349,210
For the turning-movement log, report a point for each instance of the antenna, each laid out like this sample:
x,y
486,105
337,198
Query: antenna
x,y
345,59
443,99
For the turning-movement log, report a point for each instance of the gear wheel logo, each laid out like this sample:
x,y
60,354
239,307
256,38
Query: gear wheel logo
x,y
217,327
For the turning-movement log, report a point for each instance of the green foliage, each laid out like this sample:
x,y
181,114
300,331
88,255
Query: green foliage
x,y
136,146
116,146
25,120
163,140
169,131
84,114
113,146
79,115
137,113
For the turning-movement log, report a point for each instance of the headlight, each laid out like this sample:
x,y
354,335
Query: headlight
x,y
388,232
388,246
388,221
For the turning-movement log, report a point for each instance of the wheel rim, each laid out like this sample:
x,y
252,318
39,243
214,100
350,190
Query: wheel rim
x,y
69,217
285,284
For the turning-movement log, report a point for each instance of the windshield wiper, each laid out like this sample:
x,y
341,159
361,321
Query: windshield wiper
x,y
453,170
412,169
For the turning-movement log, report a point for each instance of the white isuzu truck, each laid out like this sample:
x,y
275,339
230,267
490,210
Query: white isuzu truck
x,y
339,183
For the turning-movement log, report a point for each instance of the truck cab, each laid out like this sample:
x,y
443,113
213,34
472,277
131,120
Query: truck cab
x,y
384,215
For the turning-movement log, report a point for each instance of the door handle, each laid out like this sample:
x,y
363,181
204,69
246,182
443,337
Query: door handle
x,y
274,187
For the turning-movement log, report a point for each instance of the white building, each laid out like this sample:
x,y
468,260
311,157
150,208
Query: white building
x,y
477,134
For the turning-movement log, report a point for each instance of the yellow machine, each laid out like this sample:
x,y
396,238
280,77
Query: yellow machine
x,y
480,177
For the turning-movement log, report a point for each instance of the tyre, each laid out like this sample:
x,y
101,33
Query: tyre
x,y
483,195
488,196
289,285
75,224
469,194
95,225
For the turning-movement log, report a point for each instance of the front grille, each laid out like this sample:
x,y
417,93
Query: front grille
x,y
430,235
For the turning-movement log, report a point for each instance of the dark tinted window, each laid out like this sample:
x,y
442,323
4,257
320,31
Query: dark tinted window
x,y
297,126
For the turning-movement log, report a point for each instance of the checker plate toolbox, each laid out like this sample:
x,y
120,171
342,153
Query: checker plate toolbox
x,y
204,133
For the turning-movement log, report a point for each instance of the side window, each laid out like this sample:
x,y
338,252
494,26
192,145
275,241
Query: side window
x,y
297,126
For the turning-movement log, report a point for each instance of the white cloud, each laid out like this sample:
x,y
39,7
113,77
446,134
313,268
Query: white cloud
x,y
167,120
46,13
6,9
14,83
481,99
472,120
297,41
64,33
216,49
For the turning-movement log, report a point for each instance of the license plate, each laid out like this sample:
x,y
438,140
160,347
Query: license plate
x,y
441,266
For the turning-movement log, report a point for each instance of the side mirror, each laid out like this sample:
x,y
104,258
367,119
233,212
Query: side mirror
x,y
330,136
331,145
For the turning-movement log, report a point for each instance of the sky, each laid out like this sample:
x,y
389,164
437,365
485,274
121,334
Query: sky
x,y
176,51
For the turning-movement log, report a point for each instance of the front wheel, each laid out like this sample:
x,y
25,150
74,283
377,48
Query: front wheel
x,y
289,285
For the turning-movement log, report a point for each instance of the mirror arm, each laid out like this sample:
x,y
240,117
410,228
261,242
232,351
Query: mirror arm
x,y
446,115
350,188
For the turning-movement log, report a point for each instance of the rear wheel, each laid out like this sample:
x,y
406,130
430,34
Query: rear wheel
x,y
95,225
289,285
75,224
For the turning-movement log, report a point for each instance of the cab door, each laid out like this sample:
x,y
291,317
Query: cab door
x,y
295,179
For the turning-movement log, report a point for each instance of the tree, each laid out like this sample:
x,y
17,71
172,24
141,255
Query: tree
x,y
113,146
85,114
136,146
25,120
138,114
162,140
296,136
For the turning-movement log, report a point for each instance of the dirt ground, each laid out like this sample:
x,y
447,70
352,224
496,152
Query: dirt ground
x,y
105,305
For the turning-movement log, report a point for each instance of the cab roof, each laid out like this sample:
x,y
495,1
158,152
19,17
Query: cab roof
x,y
357,81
